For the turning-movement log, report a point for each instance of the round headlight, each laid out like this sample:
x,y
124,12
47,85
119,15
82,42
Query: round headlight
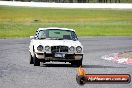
x,y
72,49
40,48
79,49
47,48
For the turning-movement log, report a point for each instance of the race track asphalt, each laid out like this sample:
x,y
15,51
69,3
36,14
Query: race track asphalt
x,y
16,72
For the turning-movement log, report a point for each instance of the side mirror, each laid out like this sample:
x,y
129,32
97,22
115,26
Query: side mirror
x,y
31,37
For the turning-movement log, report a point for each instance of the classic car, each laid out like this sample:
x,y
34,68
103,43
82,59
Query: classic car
x,y
55,44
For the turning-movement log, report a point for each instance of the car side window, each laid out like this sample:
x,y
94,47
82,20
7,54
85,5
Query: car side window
x,y
41,34
74,36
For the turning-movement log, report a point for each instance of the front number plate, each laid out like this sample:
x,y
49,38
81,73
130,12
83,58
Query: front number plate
x,y
60,55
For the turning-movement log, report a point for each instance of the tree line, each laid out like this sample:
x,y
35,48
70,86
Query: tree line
x,y
71,1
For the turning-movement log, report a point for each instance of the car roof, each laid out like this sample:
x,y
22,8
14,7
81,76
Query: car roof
x,y
55,28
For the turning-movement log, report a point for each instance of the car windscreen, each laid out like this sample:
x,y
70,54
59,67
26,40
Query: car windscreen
x,y
58,34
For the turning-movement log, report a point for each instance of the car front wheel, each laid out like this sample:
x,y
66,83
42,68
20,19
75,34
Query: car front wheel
x,y
31,59
77,63
36,61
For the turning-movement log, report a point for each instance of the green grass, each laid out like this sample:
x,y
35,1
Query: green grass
x,y
24,21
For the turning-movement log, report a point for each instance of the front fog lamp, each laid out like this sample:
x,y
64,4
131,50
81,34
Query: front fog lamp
x,y
79,49
47,48
40,48
72,49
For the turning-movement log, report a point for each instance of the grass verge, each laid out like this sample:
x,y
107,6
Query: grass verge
x,y
24,21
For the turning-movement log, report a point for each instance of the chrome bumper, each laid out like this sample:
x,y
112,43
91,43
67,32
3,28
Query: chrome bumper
x,y
52,57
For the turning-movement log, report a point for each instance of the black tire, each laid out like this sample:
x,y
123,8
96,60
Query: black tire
x,y
31,59
36,61
77,63
73,63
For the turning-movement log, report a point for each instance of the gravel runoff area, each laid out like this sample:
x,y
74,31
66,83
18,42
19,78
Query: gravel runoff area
x,y
69,5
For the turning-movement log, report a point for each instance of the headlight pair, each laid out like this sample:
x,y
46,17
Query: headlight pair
x,y
78,49
40,48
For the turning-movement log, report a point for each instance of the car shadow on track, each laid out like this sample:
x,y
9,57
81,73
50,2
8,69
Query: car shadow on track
x,y
57,65
83,66
99,66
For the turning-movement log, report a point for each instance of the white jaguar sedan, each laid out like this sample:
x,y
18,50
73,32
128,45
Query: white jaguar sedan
x,y
55,44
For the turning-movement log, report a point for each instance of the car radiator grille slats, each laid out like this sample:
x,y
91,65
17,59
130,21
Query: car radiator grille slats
x,y
55,49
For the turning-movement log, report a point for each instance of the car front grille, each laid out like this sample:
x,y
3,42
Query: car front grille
x,y
55,49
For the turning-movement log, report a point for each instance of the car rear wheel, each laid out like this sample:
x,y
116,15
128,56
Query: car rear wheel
x,y
36,61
